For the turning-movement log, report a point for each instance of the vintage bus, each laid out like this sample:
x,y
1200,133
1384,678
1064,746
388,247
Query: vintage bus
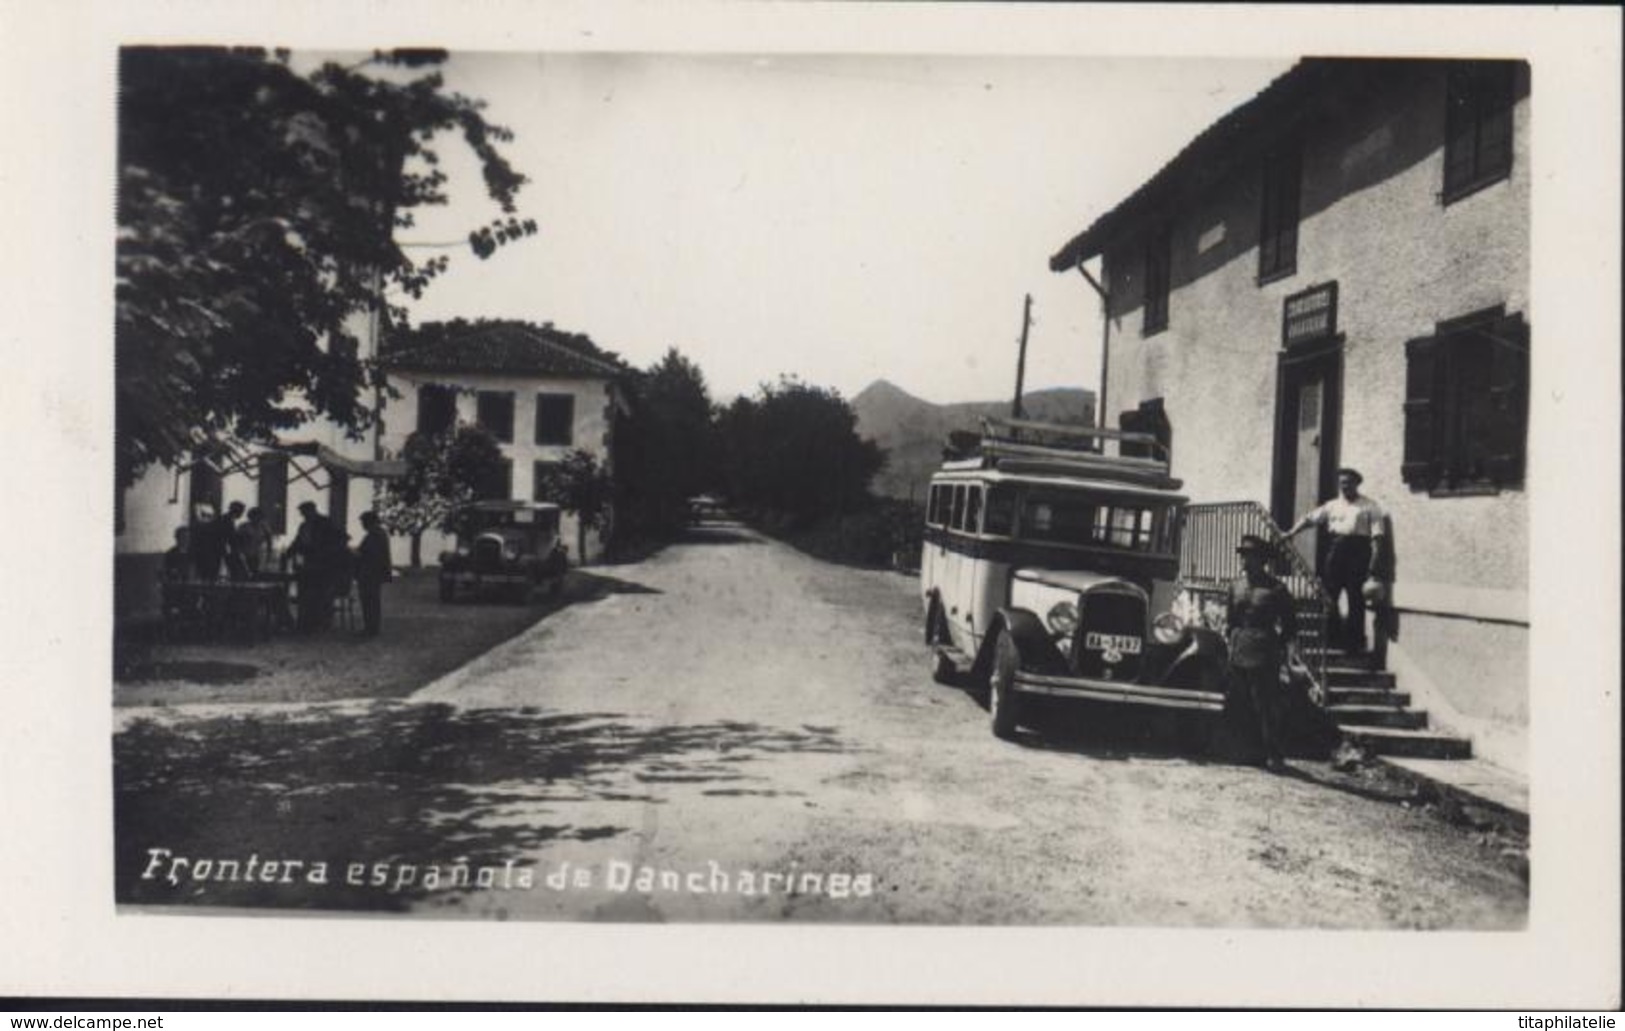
x,y
1043,564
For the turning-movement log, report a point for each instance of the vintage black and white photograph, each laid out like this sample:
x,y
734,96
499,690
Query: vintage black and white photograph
x,y
1081,488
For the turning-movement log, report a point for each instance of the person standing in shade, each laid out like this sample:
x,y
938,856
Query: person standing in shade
x,y
1259,621
372,570
208,549
1356,527
254,543
314,548
230,552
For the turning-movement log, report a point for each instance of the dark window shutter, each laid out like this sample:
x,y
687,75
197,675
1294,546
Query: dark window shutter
x,y
1507,425
273,491
1420,467
1460,119
338,499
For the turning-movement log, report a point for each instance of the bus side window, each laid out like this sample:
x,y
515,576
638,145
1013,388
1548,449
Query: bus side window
x,y
933,512
973,510
999,517
958,522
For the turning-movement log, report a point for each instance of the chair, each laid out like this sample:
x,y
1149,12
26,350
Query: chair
x,y
345,603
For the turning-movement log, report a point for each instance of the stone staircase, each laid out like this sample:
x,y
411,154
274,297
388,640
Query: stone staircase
x,y
1374,715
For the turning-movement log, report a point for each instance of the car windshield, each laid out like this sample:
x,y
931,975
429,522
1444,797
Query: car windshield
x,y
1075,517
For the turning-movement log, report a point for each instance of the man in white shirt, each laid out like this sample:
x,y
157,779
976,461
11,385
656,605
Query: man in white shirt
x,y
1356,526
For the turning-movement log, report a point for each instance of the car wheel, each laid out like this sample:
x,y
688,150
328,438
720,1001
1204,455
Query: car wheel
x,y
1004,705
943,670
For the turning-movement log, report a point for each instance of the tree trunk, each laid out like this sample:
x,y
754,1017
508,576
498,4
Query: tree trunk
x,y
417,550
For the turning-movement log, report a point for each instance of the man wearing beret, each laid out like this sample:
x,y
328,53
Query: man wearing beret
x,y
1356,527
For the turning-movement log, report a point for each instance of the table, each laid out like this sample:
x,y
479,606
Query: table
x,y
219,606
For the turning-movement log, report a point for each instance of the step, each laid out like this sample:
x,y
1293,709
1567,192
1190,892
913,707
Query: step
x,y
1377,716
1346,676
1416,744
1368,696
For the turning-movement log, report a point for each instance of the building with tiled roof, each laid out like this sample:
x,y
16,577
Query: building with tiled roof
x,y
1336,273
541,392
501,347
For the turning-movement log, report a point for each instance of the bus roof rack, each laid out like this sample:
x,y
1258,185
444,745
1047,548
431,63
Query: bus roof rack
x,y
1049,448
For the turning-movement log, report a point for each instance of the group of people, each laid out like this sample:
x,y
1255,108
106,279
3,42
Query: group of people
x,y
1260,615
319,561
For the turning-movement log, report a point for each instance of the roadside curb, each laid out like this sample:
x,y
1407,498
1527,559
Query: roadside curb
x,y
1468,791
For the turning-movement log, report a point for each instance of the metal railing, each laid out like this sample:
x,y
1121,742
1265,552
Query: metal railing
x,y
1208,563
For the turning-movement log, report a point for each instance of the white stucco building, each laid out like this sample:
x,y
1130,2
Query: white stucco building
x,y
540,391
1337,274
318,462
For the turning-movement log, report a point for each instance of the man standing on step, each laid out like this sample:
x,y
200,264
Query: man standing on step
x,y
1259,621
1355,525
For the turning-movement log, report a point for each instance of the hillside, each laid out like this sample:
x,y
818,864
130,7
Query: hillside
x,y
912,430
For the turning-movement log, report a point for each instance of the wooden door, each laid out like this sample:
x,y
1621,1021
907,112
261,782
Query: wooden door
x,y
1307,474
1309,403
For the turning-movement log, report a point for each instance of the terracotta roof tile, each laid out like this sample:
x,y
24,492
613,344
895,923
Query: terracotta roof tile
x,y
503,347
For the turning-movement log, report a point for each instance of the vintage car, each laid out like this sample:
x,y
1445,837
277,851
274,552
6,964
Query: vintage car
x,y
1043,562
507,549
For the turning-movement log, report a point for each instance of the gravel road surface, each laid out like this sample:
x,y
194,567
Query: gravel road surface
x,y
735,731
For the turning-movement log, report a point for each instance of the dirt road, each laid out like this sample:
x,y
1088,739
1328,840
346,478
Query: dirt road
x,y
735,731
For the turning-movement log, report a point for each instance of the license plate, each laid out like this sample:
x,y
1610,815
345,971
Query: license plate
x,y
1125,643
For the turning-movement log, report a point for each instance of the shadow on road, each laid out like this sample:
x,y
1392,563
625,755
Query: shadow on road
x,y
717,533
591,586
405,785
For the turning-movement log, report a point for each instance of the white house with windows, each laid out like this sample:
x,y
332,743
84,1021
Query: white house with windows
x,y
540,391
1337,274
318,462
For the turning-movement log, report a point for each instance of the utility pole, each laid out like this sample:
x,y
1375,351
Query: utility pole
x,y
1021,359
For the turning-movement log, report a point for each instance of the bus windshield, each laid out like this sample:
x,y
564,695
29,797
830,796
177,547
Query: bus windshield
x,y
1073,517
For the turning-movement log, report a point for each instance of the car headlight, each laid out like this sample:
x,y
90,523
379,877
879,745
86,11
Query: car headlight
x,y
1062,618
1167,628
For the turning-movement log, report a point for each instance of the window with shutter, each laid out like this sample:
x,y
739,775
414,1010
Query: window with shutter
x,y
541,473
1278,220
1478,126
437,409
1155,315
1506,429
494,411
555,419
1466,406
273,491
498,483
1420,468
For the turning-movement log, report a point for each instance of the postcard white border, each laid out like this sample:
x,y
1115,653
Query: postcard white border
x,y
65,938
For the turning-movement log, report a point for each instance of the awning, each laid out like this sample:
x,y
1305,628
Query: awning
x,y
379,469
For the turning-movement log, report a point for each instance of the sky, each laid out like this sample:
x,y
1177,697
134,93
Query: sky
x,y
839,218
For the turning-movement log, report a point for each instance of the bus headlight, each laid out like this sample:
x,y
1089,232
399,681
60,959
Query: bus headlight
x,y
1062,618
1167,628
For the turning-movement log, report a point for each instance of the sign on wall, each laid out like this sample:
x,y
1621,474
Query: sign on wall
x,y
1309,315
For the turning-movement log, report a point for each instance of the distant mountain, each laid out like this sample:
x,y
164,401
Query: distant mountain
x,y
913,430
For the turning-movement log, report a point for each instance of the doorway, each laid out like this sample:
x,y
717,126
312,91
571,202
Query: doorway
x,y
1308,421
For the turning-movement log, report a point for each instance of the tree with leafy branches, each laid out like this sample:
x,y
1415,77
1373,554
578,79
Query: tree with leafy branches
x,y
444,471
667,450
258,211
581,486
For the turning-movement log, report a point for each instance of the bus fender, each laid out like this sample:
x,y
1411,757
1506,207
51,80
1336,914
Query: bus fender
x,y
1202,661
1033,641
